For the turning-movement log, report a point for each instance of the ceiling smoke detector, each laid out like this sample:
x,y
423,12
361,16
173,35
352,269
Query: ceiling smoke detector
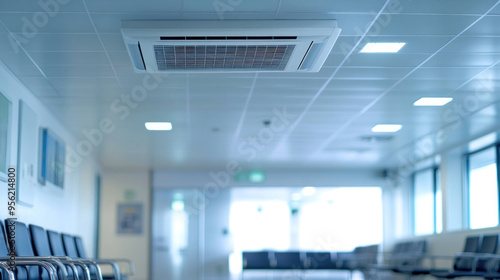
x,y
158,46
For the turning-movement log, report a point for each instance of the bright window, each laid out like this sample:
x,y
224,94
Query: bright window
x,y
483,189
424,202
350,213
260,225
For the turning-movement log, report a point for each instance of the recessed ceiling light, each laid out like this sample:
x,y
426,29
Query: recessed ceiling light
x,y
158,126
382,47
432,101
386,127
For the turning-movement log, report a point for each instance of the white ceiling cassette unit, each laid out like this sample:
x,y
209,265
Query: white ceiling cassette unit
x,y
229,45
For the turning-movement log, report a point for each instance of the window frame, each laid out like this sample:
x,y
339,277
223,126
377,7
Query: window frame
x,y
435,170
496,147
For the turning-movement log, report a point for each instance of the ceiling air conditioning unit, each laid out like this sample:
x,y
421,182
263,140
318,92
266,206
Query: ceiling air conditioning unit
x,y
229,45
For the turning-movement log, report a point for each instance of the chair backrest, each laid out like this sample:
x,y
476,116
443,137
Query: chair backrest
x,y
80,248
419,247
489,245
22,238
288,260
319,260
56,244
40,240
472,245
69,246
4,249
256,260
22,246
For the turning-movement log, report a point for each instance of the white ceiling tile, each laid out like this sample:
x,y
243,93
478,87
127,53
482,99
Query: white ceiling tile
x,y
345,44
113,42
360,85
462,60
63,43
30,24
284,84
36,82
222,7
120,58
112,22
487,26
385,60
440,7
25,70
445,73
161,81
78,71
320,6
434,85
399,24
325,72
45,93
12,59
471,45
84,82
54,7
70,58
132,5
334,59
372,72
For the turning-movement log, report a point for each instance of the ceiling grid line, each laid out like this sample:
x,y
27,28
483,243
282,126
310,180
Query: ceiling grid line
x,y
320,91
31,59
237,133
371,104
101,42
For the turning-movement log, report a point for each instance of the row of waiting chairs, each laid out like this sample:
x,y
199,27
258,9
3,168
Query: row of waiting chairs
x,y
360,258
480,258
49,255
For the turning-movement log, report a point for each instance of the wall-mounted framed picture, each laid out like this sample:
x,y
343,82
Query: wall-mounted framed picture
x,y
5,111
52,159
26,155
130,218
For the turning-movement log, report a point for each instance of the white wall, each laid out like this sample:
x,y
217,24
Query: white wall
x,y
69,210
125,187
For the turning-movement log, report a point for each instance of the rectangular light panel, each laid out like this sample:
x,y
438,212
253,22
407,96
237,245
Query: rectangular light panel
x,y
158,126
382,47
432,101
386,127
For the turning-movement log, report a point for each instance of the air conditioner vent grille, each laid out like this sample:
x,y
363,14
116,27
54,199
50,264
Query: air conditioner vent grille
x,y
221,38
238,57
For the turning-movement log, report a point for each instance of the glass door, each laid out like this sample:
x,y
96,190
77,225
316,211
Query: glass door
x,y
175,236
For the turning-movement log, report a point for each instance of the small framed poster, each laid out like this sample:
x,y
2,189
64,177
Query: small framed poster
x,y
130,218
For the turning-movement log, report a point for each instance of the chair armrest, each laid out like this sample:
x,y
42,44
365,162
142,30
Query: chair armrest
x,y
53,260
46,265
131,265
114,266
5,267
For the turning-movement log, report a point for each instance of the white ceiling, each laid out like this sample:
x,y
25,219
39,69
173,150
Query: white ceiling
x,y
77,64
